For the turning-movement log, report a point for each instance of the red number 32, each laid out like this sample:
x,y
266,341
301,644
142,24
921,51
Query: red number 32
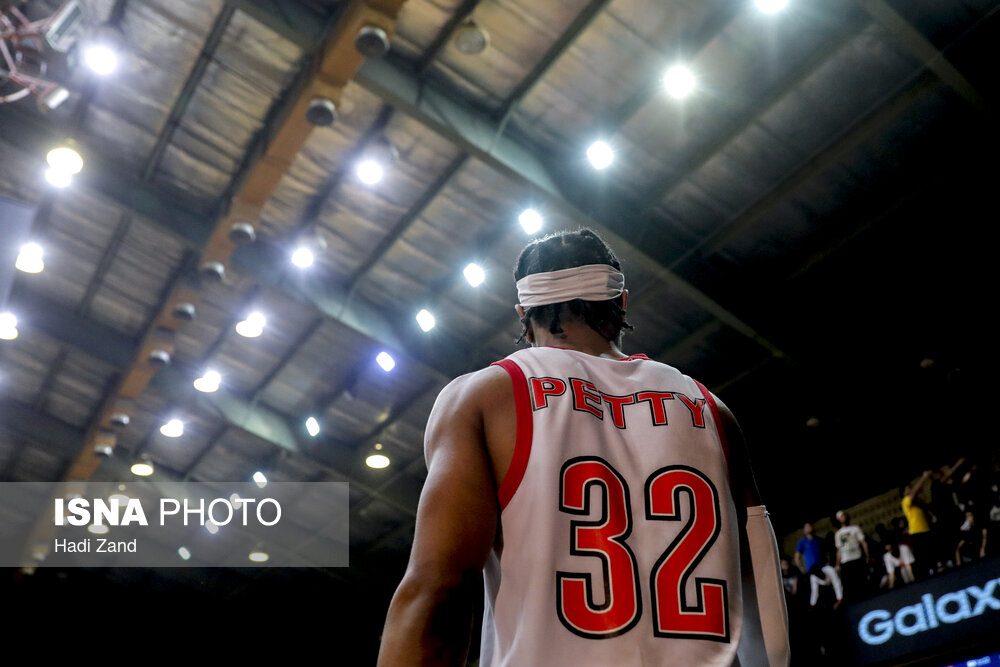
x,y
704,617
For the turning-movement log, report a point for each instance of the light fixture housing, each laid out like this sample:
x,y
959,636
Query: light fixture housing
x,y
321,112
377,461
531,221
142,469
8,326
385,360
57,178
471,38
252,326
474,274
65,159
770,6
679,81
425,320
600,154
209,382
102,50
174,428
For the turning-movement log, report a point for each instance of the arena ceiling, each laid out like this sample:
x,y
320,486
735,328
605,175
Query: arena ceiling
x,y
806,233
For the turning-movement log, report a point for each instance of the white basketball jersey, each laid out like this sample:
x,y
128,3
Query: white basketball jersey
x,y
618,541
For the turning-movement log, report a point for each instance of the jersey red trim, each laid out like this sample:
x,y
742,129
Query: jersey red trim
x,y
632,357
719,427
525,429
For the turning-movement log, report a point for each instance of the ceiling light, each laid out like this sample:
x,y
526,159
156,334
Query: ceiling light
x,y
57,178
98,529
679,81
312,426
259,556
142,469
260,479
184,553
65,159
29,258
531,220
101,59
377,461
209,382
101,52
8,326
426,320
252,326
370,171
120,497
471,39
600,155
386,361
474,274
173,428
771,6
211,527
303,257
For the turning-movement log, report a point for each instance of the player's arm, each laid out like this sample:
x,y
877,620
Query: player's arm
x,y
430,618
763,546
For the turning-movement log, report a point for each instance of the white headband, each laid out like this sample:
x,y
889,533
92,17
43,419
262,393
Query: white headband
x,y
591,282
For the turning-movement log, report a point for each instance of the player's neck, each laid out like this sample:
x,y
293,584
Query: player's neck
x,y
579,338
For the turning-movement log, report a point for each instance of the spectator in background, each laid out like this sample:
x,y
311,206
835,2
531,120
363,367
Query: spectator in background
x,y
808,550
852,556
825,575
789,581
972,542
947,517
918,527
898,561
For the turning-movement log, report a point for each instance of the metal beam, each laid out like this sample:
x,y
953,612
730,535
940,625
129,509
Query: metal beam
x,y
183,99
921,48
822,160
188,221
477,134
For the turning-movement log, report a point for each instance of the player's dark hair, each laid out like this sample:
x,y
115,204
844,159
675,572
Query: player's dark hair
x,y
565,250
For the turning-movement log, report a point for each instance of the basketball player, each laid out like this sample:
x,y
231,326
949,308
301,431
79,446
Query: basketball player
x,y
604,496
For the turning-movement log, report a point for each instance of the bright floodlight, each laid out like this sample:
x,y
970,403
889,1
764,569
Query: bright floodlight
x,y
370,172
8,326
303,257
600,155
258,556
260,479
474,274
65,159
98,530
771,6
377,461
252,326
29,258
101,58
531,220
679,81
58,178
142,469
211,527
209,382
184,553
426,320
312,426
173,428
386,361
